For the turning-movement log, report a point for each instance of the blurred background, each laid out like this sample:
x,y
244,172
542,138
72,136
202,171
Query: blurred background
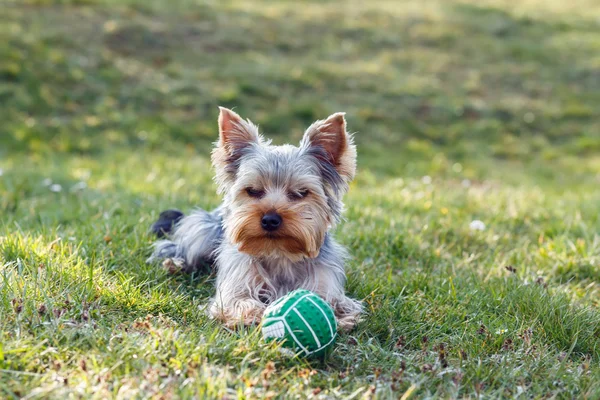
x,y
473,221
492,89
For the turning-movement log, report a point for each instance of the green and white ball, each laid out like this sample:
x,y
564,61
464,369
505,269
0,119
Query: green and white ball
x,y
303,322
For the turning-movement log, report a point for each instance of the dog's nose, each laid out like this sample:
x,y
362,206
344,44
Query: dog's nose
x,y
271,221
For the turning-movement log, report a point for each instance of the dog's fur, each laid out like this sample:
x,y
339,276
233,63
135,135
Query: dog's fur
x,y
303,185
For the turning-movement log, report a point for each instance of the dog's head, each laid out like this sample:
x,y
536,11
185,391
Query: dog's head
x,y
281,200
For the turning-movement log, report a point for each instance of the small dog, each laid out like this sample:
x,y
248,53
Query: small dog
x,y
271,234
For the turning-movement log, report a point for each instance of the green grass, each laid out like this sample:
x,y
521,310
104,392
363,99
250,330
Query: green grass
x,y
463,110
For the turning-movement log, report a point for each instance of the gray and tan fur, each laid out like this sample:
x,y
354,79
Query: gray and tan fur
x,y
272,234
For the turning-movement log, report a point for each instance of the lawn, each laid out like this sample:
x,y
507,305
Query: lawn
x,y
463,110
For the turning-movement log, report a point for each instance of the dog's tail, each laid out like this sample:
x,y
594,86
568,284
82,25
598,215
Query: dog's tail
x,y
192,242
166,221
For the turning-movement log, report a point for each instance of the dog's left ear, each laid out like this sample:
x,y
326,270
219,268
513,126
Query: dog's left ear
x,y
331,138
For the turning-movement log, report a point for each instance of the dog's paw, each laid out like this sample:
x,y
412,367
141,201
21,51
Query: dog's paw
x,y
174,265
347,322
347,313
243,313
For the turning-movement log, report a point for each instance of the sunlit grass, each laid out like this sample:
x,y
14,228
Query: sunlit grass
x,y
473,222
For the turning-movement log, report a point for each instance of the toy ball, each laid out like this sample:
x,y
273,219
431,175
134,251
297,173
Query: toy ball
x,y
303,322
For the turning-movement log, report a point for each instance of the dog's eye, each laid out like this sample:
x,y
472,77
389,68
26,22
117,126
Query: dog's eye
x,y
298,194
255,193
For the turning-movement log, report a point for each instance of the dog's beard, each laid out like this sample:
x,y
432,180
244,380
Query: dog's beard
x,y
301,234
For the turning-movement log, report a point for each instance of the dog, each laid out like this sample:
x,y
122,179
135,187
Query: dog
x,y
272,232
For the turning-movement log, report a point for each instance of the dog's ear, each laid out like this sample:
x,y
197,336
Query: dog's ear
x,y
235,137
329,137
235,133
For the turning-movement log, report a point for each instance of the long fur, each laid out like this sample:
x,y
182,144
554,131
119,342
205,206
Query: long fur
x,y
194,242
305,186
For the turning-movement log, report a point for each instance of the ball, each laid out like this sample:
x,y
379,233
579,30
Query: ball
x,y
302,322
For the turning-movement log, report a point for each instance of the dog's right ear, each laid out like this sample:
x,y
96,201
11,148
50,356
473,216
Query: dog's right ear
x,y
236,136
234,132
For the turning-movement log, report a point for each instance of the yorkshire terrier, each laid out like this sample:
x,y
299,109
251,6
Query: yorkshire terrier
x,y
271,234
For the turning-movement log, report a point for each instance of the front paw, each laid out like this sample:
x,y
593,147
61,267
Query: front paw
x,y
242,313
347,313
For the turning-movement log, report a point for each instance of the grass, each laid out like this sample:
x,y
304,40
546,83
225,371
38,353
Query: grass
x,y
464,110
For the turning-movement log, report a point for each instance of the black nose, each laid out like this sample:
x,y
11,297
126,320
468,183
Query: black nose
x,y
271,221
